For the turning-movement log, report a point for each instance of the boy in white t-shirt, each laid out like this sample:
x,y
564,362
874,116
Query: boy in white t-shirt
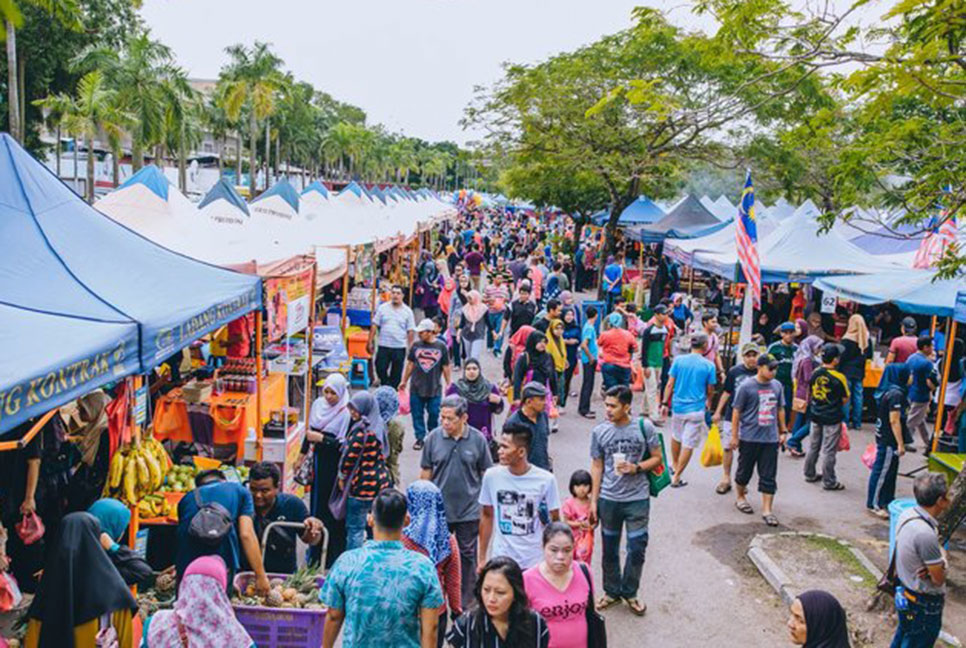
x,y
517,500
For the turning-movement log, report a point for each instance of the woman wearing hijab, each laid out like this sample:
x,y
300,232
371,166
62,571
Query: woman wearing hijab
x,y
428,533
557,349
817,620
534,365
452,258
94,443
856,350
891,436
806,360
387,400
80,593
114,517
429,286
482,397
202,616
362,469
516,345
571,337
328,423
814,326
473,326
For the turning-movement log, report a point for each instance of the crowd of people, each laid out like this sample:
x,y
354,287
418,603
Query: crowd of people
x,y
482,550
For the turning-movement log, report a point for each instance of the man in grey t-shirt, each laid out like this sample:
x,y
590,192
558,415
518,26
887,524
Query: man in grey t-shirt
x,y
395,324
757,429
455,456
621,494
921,564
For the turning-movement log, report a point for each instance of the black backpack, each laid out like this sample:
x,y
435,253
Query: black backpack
x,y
211,523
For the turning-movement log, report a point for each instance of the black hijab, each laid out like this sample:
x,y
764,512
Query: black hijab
x,y
540,361
824,620
79,583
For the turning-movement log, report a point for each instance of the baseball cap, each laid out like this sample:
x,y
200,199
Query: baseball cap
x,y
750,347
768,360
787,326
908,324
426,325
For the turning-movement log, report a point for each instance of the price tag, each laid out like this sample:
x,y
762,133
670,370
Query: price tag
x,y
141,406
828,303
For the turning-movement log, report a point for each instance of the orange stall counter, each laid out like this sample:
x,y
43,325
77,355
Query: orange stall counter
x,y
232,414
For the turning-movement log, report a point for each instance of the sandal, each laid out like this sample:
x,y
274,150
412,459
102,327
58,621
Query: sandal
x,y
723,488
744,507
770,519
678,484
798,454
837,486
813,479
607,601
636,607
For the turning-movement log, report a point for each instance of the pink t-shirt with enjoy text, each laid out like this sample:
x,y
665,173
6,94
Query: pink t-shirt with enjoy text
x,y
565,612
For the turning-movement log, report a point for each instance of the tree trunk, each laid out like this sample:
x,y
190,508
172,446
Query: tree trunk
x,y
182,163
76,164
221,156
57,152
610,232
116,167
268,153
252,132
238,143
21,76
956,513
90,169
13,101
278,154
137,154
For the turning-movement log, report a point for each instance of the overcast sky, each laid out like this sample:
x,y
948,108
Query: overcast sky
x,y
410,64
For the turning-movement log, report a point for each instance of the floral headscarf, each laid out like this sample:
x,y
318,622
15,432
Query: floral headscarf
x,y
202,609
427,520
388,401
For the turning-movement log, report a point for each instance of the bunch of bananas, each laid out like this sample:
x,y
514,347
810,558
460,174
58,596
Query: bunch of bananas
x,y
137,470
154,506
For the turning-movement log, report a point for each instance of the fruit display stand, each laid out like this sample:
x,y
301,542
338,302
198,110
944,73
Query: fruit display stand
x,y
232,413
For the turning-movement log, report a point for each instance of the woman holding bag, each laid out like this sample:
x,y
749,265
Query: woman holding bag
x,y
362,470
328,422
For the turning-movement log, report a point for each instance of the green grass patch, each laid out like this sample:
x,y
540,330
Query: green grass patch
x,y
844,556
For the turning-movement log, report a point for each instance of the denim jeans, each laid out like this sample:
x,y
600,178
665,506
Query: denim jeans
x,y
882,479
799,433
356,524
920,623
613,375
493,323
614,516
425,413
853,409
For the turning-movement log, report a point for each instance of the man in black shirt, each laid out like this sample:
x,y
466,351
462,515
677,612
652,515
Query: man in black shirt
x,y
828,394
522,310
891,432
722,414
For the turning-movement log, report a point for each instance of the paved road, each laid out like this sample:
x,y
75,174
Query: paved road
x,y
698,584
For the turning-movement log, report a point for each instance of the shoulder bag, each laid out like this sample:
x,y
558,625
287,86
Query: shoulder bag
x,y
211,523
596,625
890,579
340,496
659,478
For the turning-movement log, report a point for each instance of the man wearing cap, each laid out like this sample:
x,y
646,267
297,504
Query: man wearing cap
x,y
394,323
828,394
757,429
428,360
654,347
736,376
532,415
783,351
905,345
690,387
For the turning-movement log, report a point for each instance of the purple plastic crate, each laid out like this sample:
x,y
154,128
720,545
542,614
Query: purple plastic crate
x,y
279,627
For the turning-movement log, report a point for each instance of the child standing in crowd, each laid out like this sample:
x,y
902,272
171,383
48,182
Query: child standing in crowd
x,y
576,513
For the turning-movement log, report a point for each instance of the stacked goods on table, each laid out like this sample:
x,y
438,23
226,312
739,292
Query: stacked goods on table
x,y
136,472
299,590
237,375
159,597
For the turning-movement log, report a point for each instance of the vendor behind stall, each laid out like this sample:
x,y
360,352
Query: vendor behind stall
x,y
273,506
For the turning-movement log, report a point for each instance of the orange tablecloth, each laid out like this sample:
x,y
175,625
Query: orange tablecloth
x,y
231,421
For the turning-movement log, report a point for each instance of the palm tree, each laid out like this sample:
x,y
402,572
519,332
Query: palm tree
x,y
94,108
216,122
337,144
252,79
67,12
139,74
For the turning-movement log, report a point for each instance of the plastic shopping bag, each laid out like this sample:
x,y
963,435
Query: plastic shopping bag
x,y
10,596
30,528
637,379
712,452
868,457
404,407
844,443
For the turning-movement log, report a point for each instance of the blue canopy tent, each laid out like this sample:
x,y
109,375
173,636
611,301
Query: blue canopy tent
x,y
640,212
223,190
284,190
63,258
889,240
913,291
317,187
689,219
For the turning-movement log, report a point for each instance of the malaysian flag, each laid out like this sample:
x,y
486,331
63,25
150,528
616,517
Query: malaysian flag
x,y
938,238
746,240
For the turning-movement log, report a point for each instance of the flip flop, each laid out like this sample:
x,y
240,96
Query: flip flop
x,y
837,486
606,601
679,484
770,520
812,480
744,507
636,607
723,488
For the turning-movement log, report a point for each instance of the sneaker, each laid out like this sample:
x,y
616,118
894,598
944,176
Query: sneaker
x,y
418,445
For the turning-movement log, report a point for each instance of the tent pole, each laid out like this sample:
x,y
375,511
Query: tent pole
x,y
731,320
22,442
259,341
345,288
412,269
950,337
309,336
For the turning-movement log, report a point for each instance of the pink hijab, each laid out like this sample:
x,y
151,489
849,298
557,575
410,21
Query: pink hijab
x,y
203,610
475,309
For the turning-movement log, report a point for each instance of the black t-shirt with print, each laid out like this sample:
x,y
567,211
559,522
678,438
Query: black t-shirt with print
x,y
428,361
827,390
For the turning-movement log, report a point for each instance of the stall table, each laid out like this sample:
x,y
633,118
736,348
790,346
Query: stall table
x,y
231,414
947,463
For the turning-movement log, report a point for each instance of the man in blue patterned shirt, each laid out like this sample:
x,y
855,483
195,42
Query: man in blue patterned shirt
x,y
384,594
